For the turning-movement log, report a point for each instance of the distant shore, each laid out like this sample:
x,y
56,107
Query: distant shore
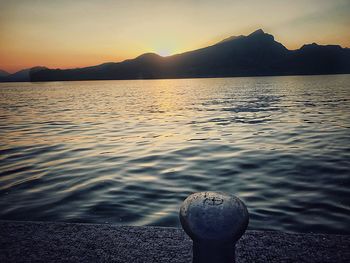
x,y
185,78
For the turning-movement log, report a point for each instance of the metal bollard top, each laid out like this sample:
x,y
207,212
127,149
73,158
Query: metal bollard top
x,y
214,217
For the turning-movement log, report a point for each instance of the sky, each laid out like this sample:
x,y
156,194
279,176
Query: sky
x,y
69,34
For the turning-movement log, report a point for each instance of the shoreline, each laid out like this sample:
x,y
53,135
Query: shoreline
x,y
178,78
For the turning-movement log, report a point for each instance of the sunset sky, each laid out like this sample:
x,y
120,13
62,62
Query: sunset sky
x,y
66,33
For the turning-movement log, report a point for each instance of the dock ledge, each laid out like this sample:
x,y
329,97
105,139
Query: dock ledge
x,y
73,242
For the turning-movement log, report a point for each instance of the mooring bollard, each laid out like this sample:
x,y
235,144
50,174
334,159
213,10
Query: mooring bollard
x,y
215,222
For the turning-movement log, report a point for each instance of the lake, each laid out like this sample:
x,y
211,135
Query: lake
x,y
129,152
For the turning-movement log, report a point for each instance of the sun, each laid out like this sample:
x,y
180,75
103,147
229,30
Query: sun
x,y
164,52
164,48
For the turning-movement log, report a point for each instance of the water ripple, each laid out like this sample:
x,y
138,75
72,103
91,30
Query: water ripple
x,y
129,152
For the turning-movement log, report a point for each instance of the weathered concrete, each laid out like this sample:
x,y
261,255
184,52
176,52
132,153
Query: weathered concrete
x,y
65,242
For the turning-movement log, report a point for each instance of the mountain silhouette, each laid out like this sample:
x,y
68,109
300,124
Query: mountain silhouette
x,y
3,73
257,54
21,76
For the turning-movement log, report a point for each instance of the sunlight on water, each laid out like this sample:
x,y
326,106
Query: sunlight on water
x,y
129,152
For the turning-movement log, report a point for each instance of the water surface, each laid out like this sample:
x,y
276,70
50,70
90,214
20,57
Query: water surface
x,y
129,152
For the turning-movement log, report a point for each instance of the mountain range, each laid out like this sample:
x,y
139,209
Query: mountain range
x,y
257,54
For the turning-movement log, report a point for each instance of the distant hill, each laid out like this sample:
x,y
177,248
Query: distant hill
x,y
22,75
3,73
257,54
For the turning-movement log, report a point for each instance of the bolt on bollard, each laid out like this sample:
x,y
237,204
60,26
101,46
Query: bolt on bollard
x,y
214,221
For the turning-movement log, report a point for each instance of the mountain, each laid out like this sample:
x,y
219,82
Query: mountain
x,y
3,73
22,75
257,54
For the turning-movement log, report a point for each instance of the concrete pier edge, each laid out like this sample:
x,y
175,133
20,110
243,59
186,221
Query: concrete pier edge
x,y
22,241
